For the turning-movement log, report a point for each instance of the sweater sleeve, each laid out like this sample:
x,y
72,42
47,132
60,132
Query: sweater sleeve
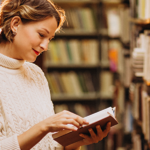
x,y
44,84
7,142
10,143
58,146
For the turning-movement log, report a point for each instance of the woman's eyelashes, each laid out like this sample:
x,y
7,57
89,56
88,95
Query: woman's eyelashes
x,y
42,36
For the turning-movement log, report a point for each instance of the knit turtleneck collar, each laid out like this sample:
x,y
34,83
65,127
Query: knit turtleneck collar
x,y
10,63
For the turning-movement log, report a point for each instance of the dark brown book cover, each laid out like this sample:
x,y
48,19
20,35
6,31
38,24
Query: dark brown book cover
x,y
73,136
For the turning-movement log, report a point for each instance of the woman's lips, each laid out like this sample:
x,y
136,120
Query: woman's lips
x,y
36,52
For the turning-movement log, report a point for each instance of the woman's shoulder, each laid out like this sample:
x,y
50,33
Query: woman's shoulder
x,y
33,69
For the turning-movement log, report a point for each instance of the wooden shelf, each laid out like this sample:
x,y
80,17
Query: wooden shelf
x,y
140,21
111,2
50,65
105,96
72,32
104,34
76,1
84,97
66,97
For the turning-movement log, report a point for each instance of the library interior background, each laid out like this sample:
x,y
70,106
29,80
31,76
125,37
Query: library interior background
x,y
100,59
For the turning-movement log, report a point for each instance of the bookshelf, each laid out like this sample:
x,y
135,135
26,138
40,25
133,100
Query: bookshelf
x,y
106,79
115,37
137,102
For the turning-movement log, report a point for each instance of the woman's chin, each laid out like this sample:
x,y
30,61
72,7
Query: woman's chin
x,y
31,60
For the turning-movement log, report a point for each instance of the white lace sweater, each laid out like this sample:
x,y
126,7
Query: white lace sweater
x,y
24,101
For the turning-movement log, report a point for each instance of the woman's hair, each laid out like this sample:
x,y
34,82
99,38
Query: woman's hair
x,y
28,11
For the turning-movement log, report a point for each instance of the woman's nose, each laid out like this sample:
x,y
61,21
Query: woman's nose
x,y
44,45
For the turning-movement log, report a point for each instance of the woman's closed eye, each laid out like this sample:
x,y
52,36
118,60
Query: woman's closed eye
x,y
41,35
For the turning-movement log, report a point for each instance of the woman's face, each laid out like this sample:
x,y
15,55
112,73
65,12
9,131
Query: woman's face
x,y
33,38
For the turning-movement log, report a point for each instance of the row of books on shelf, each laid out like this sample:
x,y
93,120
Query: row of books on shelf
x,y
81,19
141,56
70,83
134,137
79,83
140,109
72,52
139,141
115,22
85,52
140,9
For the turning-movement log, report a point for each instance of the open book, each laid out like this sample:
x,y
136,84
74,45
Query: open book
x,y
67,137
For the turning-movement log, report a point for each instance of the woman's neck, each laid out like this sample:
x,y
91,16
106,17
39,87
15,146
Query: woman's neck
x,y
7,49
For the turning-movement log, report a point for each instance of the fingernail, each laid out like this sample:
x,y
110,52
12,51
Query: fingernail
x,y
86,121
110,123
90,129
80,134
75,128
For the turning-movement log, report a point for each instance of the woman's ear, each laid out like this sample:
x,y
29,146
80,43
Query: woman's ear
x,y
15,22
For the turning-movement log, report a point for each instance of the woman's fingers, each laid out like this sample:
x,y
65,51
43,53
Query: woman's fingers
x,y
106,131
94,136
74,121
69,127
99,132
87,139
61,120
79,119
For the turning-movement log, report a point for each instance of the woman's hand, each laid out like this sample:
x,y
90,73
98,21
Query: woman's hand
x,y
95,138
61,120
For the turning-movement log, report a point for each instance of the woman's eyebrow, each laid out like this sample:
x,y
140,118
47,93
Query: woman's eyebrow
x,y
46,30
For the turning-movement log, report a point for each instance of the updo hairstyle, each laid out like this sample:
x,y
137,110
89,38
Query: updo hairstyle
x,y
28,11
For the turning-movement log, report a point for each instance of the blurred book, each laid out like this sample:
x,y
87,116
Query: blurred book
x,y
113,21
145,45
106,84
143,9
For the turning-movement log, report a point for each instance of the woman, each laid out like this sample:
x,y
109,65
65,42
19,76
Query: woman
x,y
27,118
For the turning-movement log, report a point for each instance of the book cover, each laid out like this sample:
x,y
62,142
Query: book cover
x,y
67,137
